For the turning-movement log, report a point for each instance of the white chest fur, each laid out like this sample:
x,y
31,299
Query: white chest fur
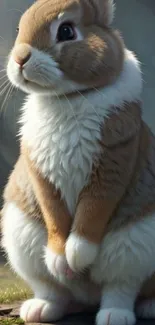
x,y
64,133
64,136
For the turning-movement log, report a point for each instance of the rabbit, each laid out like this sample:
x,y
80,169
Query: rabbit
x,y
78,217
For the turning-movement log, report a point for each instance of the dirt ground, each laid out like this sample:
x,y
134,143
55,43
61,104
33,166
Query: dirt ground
x,y
9,315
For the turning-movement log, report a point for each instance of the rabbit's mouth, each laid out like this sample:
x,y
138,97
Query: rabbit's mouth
x,y
33,71
22,81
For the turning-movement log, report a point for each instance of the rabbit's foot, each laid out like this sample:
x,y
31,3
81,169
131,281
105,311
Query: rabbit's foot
x,y
41,311
115,316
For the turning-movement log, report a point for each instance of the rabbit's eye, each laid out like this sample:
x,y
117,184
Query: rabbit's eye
x,y
17,29
66,32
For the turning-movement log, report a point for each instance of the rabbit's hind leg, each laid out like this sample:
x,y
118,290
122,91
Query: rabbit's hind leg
x,y
126,260
23,240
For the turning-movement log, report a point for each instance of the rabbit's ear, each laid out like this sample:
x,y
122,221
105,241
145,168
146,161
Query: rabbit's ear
x,y
104,11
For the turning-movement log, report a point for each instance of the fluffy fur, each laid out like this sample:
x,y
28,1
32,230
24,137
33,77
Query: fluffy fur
x,y
75,120
82,192
24,240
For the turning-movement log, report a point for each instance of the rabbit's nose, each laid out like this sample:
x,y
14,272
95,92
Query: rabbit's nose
x,y
22,54
23,60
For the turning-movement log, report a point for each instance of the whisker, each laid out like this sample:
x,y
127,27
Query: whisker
x,y
2,38
7,95
4,83
99,92
11,91
5,76
15,100
18,10
4,89
6,99
81,94
2,70
74,115
70,105
45,78
3,103
59,100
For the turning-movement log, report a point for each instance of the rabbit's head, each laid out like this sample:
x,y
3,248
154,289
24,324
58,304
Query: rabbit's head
x,y
64,46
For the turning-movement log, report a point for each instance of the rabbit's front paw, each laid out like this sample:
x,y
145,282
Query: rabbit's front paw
x,y
41,311
57,264
80,252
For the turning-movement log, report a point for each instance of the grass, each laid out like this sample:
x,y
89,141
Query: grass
x,y
12,288
11,321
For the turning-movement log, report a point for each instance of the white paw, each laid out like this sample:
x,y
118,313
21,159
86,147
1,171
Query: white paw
x,y
80,253
146,309
114,316
39,310
57,264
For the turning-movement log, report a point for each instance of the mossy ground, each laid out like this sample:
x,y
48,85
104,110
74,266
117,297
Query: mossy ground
x,y
11,321
12,288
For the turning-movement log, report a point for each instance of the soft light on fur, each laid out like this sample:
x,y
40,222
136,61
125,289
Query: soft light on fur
x,y
82,192
64,67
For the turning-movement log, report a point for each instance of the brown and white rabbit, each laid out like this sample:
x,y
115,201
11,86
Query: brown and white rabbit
x,y
83,190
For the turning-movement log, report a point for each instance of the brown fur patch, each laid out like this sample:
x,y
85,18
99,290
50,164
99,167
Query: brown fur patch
x,y
95,61
115,196
100,11
111,176
123,125
37,198
139,199
54,210
34,26
20,191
